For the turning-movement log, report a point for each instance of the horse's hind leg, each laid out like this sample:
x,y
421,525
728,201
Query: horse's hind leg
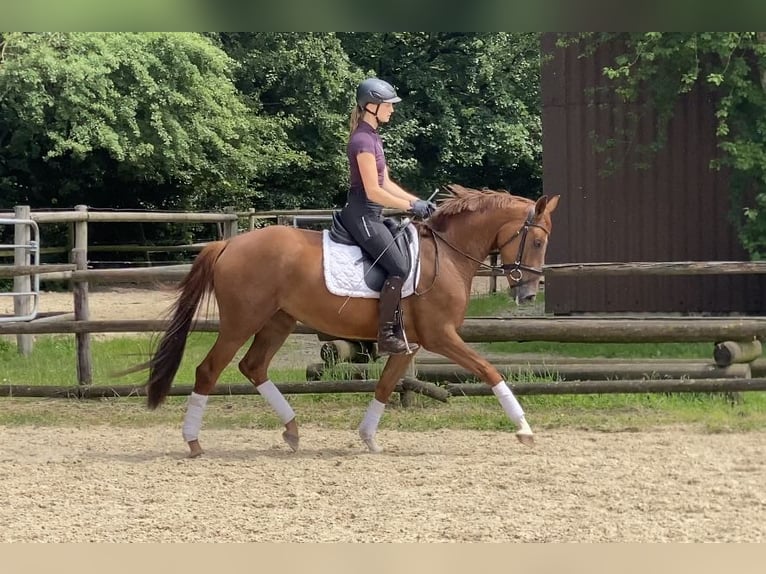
x,y
231,337
254,365
396,365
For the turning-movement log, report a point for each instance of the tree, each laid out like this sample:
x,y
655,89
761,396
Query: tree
x,y
193,121
305,82
471,109
147,120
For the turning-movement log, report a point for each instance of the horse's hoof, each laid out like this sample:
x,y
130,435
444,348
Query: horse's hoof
x,y
195,449
372,445
292,440
526,438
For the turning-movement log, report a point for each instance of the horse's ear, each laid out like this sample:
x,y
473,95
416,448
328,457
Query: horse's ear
x,y
540,205
546,205
456,189
552,203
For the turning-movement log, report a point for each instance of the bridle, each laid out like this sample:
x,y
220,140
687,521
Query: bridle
x,y
512,270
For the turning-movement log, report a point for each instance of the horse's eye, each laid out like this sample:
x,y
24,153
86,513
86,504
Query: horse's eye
x,y
538,243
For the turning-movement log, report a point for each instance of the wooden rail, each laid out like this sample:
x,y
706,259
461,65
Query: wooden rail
x,y
655,268
484,330
19,270
621,386
128,217
295,388
474,330
438,393
608,370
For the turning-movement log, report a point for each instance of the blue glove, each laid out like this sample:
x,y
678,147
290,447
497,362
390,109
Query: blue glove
x,y
422,208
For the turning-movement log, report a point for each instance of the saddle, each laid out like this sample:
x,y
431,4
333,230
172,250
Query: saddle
x,y
366,275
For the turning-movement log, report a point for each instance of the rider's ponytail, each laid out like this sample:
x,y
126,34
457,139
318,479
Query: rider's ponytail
x,y
356,116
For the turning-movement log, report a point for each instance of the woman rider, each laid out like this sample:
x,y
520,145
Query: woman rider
x,y
371,189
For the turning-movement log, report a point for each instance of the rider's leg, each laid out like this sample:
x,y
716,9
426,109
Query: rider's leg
x,y
389,343
377,241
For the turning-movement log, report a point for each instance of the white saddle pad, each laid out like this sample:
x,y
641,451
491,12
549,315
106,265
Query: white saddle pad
x,y
344,268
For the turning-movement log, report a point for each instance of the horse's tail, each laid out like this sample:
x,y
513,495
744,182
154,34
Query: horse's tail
x,y
163,366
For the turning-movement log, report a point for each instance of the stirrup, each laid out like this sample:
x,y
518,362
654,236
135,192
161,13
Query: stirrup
x,y
406,348
396,348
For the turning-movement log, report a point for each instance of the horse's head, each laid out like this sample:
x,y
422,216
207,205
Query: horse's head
x,y
522,247
475,222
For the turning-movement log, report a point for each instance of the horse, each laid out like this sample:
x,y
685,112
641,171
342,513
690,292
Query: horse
x,y
268,279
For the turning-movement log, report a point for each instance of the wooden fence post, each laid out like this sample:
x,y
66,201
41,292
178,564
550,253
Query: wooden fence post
x,y
230,228
80,292
493,278
22,304
407,396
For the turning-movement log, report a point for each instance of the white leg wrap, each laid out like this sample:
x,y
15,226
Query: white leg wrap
x,y
369,425
510,405
195,408
276,399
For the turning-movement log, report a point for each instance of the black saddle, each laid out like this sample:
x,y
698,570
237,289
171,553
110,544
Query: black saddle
x,y
374,276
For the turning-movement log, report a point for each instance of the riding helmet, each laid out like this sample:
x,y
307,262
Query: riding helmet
x,y
376,91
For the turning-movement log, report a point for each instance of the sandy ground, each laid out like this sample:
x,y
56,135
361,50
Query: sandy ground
x,y
114,303
112,484
125,484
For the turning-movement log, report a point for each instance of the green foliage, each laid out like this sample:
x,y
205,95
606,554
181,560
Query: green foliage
x,y
304,82
471,106
154,117
656,68
200,121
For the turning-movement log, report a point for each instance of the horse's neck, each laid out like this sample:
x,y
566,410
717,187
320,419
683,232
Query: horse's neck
x,y
474,236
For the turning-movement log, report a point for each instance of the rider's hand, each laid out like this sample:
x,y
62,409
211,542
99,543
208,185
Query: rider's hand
x,y
422,208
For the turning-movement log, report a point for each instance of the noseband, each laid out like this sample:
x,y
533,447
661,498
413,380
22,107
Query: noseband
x,y
512,270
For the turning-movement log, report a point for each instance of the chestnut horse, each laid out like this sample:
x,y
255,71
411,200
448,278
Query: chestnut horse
x,y
266,280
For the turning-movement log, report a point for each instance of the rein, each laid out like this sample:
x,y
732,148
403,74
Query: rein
x,y
512,270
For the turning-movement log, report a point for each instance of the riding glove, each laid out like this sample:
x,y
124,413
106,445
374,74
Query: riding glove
x,y
422,208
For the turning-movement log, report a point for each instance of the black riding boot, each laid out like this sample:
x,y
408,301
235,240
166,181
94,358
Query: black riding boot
x,y
389,342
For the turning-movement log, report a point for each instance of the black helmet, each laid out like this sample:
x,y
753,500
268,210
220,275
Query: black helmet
x,y
375,91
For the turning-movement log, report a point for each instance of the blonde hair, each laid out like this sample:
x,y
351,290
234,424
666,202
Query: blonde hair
x,y
356,116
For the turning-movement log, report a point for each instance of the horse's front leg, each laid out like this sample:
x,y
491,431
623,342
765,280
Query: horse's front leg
x,y
453,347
396,365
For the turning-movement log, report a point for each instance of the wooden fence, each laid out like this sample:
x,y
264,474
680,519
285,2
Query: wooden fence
x,y
475,330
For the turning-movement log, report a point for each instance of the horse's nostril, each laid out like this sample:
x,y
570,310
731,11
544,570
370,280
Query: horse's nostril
x,y
528,298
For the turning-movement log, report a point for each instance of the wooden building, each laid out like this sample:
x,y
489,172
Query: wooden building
x,y
612,209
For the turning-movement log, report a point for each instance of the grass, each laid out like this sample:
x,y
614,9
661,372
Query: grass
x,y
606,413
492,305
498,305
52,363
607,350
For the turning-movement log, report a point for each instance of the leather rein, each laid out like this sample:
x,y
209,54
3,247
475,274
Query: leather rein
x,y
512,270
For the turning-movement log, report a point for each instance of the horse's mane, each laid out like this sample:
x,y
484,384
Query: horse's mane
x,y
462,199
